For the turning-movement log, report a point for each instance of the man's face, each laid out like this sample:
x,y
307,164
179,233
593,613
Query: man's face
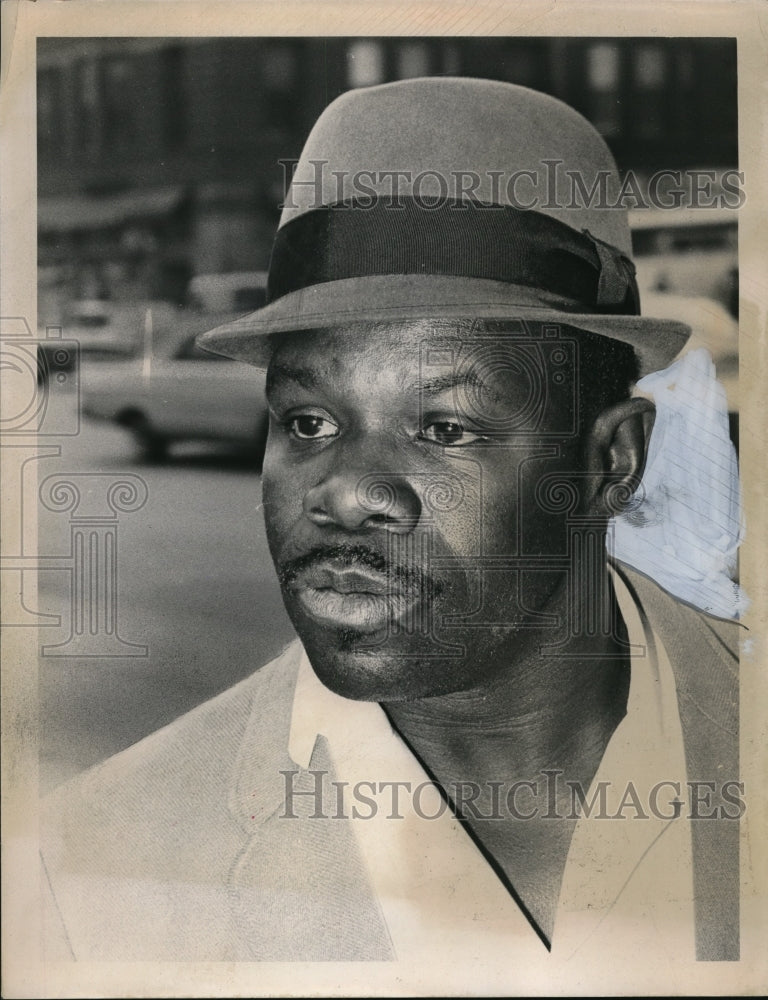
x,y
411,500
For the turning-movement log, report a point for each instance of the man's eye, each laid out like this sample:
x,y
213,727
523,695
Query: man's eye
x,y
449,434
309,427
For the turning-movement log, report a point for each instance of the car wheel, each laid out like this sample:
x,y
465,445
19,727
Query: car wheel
x,y
152,446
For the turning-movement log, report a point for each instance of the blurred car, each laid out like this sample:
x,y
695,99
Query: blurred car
x,y
174,391
687,252
104,331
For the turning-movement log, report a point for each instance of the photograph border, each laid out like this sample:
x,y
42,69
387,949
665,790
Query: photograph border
x,y
25,973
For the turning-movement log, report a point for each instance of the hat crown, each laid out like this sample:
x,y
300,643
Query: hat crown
x,y
393,149
445,138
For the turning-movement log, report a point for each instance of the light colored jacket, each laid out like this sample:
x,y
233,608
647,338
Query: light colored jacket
x,y
174,850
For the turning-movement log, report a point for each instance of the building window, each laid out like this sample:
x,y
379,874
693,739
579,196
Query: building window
x,y
365,63
175,107
685,74
603,67
412,60
451,58
49,113
119,103
88,99
526,64
603,81
649,79
650,67
279,74
278,67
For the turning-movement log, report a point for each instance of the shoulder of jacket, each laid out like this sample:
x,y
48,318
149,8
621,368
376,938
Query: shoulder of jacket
x,y
204,740
669,614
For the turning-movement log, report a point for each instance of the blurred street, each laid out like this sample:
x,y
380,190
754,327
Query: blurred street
x,y
195,585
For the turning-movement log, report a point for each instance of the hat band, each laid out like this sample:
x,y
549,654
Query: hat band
x,y
406,235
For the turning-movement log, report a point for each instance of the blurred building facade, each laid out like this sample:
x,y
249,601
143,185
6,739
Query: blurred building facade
x,y
160,158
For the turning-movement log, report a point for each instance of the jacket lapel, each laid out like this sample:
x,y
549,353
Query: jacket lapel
x,y
298,889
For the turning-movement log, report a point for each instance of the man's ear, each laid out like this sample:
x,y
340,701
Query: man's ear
x,y
615,450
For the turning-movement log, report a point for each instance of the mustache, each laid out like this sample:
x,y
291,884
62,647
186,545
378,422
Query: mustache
x,y
411,579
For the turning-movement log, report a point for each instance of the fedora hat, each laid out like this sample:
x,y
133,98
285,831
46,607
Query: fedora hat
x,y
440,198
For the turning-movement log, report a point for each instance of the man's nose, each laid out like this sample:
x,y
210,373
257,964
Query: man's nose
x,y
356,499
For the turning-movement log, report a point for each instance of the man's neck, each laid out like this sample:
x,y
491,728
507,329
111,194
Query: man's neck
x,y
539,710
505,728
543,717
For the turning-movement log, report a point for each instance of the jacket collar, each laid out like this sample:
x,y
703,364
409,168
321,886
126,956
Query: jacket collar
x,y
257,786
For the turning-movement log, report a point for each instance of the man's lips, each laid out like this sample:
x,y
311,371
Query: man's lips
x,y
353,586
351,597
361,611
345,580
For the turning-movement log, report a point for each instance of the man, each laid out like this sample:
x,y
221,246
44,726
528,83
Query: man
x,y
489,739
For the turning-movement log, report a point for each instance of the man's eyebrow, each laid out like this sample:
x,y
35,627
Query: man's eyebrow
x,y
305,377
435,384
432,386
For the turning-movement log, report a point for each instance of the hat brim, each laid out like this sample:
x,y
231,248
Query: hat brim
x,y
403,298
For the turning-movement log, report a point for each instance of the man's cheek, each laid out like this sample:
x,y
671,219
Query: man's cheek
x,y
274,458
279,500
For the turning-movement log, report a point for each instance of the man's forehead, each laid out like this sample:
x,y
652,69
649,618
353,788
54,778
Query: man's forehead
x,y
335,348
327,352
352,337
425,358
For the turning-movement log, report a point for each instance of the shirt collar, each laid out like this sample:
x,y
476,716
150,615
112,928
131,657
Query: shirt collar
x,y
318,711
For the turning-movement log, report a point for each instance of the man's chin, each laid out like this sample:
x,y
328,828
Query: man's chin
x,y
394,662
353,665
